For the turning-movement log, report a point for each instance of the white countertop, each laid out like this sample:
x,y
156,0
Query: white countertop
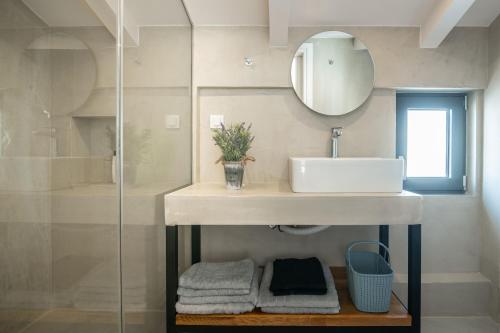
x,y
212,204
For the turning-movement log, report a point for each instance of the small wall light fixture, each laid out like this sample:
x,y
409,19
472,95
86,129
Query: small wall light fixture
x,y
248,62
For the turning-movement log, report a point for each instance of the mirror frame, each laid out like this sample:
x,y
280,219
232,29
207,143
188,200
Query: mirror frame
x,y
310,108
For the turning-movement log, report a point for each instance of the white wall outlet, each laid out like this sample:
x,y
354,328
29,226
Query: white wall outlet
x,y
216,120
172,121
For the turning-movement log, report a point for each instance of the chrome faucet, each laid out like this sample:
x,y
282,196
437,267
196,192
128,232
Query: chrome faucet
x,y
336,133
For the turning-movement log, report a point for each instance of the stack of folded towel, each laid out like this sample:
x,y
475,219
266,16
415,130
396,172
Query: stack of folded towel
x,y
298,286
228,288
298,277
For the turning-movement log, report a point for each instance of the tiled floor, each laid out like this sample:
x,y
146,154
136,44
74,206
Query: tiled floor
x,y
17,320
64,321
459,325
77,321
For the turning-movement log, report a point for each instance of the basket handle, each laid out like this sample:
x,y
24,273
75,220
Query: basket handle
x,y
354,244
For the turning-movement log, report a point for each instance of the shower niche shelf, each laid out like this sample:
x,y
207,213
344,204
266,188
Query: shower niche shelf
x,y
93,116
348,316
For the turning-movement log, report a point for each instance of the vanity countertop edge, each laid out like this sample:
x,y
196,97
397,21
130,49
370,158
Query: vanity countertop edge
x,y
213,204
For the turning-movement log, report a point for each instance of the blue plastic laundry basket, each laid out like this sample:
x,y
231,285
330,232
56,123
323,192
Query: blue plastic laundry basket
x,y
369,278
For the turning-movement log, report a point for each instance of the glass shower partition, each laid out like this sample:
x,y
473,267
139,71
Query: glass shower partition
x,y
59,221
95,127
156,150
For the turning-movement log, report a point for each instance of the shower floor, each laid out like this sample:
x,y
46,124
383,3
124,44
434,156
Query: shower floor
x,y
74,321
77,321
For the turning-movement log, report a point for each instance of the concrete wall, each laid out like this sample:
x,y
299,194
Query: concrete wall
x,y
490,263
284,127
399,62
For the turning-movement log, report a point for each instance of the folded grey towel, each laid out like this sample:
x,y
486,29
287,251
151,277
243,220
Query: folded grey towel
x,y
236,275
221,299
277,309
227,308
211,292
268,300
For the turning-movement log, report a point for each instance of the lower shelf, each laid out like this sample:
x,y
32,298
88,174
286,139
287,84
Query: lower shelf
x,y
349,316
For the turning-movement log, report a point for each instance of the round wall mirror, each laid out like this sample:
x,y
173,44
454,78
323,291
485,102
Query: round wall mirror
x,y
72,71
332,73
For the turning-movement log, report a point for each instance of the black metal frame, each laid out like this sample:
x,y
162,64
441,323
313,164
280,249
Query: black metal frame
x,y
172,275
290,329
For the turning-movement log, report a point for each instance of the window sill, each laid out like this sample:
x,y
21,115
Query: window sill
x,y
437,192
446,194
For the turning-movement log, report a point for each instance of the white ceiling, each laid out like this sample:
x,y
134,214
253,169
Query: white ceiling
x,y
333,12
482,13
228,12
65,13
76,13
157,12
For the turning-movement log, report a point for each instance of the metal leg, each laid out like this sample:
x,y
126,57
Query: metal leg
x,y
172,276
414,274
195,244
383,236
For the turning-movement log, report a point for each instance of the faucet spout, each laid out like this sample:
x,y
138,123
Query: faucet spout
x,y
336,133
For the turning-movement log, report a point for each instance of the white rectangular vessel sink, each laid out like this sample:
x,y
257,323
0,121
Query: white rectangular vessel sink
x,y
350,175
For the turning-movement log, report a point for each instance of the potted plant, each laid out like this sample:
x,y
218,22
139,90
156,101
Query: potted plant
x,y
234,142
136,147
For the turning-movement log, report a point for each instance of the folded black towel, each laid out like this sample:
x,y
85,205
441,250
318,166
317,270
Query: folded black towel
x,y
298,277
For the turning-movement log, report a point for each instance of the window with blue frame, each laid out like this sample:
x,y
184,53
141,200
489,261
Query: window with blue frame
x,y
431,137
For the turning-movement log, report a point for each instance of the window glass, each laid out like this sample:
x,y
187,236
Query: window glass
x,y
431,137
427,143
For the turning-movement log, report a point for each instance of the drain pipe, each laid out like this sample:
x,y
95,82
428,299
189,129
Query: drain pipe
x,y
299,231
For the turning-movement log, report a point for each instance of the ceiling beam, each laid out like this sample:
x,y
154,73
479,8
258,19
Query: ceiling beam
x,y
106,11
279,13
443,18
